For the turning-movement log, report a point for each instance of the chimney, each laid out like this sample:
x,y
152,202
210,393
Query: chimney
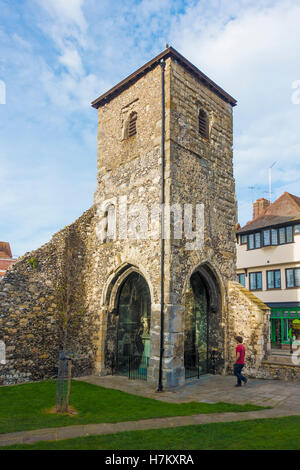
x,y
259,207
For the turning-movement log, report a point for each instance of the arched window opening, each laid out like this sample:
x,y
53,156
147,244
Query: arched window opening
x,y
132,124
203,124
109,224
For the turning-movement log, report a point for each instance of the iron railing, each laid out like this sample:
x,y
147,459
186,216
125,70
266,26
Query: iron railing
x,y
214,361
134,367
192,366
195,366
138,367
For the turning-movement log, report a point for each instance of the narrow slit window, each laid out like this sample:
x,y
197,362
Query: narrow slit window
x,y
132,124
203,124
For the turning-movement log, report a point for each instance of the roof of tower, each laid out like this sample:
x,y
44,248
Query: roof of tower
x,y
169,52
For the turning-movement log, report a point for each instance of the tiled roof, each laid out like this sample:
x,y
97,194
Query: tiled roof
x,y
5,251
169,52
285,209
5,263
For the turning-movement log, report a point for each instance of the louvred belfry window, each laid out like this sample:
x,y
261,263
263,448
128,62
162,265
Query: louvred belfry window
x,y
203,124
132,124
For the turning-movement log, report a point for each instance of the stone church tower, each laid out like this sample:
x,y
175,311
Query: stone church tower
x,y
141,297
197,170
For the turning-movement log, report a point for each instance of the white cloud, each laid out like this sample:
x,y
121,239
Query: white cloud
x,y
66,11
66,25
72,60
252,50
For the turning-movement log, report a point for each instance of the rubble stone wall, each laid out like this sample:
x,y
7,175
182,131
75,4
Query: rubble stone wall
x,y
33,310
249,317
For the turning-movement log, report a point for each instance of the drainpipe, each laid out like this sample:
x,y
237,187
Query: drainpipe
x,y
162,64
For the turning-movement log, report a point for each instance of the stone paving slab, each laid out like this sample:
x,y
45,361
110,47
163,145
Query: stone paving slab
x,y
212,388
69,432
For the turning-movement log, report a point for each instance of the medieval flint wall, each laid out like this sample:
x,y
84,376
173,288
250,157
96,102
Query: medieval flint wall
x,y
33,310
249,317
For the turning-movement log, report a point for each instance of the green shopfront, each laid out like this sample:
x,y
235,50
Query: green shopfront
x,y
282,319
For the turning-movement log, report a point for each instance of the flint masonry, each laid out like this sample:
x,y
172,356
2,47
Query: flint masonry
x,y
150,306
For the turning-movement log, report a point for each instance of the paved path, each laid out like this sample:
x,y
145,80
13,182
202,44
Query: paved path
x,y
212,389
283,396
69,432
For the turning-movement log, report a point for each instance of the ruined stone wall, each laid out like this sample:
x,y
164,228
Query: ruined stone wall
x,y
249,317
277,372
200,172
41,293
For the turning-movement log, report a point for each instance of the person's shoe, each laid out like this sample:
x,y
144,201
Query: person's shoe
x,y
245,383
238,385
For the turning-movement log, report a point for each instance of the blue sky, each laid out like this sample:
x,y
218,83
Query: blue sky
x,y
56,56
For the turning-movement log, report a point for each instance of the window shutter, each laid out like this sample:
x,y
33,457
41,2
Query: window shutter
x,y
132,124
203,124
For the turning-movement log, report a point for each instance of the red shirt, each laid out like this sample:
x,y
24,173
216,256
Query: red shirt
x,y
241,349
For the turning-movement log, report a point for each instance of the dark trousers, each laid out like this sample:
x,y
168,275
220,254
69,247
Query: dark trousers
x,y
237,372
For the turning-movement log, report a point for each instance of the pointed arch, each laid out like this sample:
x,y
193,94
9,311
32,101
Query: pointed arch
x,y
127,303
203,331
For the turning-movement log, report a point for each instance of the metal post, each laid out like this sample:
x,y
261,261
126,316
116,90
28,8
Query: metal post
x,y
162,64
69,383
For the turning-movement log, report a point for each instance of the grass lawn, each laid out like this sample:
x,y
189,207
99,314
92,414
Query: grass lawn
x,y
260,434
22,407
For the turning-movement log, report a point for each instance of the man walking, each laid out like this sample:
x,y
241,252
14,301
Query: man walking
x,y
240,361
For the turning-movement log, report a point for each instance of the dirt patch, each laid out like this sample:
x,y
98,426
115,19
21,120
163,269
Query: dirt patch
x,y
71,412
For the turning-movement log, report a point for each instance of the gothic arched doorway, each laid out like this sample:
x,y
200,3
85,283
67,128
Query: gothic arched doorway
x,y
201,327
133,338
